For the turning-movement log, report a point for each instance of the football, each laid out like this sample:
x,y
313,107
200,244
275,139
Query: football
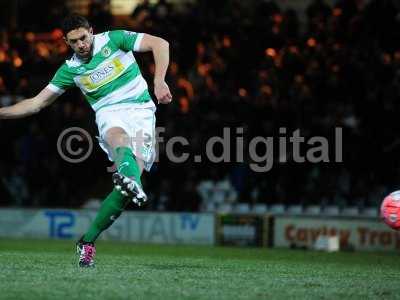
x,y
390,210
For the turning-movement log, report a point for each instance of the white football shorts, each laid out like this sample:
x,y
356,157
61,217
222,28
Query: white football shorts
x,y
138,121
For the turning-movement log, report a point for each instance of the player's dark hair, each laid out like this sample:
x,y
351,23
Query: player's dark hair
x,y
74,21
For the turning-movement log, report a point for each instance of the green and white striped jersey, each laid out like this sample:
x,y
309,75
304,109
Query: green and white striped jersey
x,y
112,76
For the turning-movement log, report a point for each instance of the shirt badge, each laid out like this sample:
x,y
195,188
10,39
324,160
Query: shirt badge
x,y
81,70
106,51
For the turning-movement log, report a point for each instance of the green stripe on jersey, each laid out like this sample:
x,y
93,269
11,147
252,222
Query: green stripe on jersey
x,y
143,98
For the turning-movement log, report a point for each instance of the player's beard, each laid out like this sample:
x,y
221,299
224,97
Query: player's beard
x,y
87,55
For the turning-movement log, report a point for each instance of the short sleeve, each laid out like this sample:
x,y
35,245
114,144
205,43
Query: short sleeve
x,y
126,40
62,80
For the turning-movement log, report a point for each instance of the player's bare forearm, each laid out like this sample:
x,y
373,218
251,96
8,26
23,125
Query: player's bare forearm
x,y
161,59
160,49
22,109
29,106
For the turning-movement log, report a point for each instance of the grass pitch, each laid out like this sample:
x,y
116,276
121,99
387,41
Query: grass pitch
x,y
48,270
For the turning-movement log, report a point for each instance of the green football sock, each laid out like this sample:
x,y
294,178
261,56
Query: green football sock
x,y
126,163
110,210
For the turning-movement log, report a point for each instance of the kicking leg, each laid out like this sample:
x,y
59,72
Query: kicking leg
x,y
130,168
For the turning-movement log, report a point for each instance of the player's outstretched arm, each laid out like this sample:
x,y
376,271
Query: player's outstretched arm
x,y
160,49
29,106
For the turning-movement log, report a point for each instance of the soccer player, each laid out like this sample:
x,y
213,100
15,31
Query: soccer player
x,y
104,68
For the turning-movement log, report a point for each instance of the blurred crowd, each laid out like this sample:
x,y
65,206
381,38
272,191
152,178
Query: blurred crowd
x,y
234,64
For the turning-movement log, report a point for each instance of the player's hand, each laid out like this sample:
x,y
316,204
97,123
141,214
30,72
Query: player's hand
x,y
162,93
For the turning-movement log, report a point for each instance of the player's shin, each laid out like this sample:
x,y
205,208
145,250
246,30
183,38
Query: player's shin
x,y
126,163
110,210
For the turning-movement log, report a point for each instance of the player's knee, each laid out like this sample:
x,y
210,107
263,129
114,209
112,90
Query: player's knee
x,y
117,137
